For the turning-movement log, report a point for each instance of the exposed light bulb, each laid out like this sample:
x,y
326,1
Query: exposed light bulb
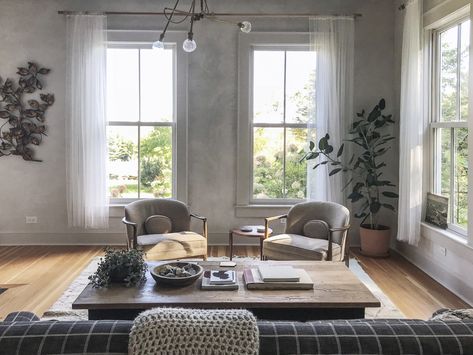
x,y
245,26
189,45
159,45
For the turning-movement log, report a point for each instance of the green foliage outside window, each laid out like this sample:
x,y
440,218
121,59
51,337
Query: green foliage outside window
x,y
155,164
453,95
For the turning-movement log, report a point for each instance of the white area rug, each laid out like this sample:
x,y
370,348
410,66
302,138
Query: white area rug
x,y
62,309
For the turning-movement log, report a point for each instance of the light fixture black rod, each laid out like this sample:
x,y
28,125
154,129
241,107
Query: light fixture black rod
x,y
223,14
191,34
169,20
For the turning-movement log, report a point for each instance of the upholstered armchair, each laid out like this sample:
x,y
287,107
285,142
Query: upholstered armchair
x,y
314,231
161,228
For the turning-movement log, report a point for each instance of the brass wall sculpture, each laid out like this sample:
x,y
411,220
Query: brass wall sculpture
x,y
21,116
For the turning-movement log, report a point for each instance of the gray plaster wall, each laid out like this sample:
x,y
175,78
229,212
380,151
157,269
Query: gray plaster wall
x,y
32,30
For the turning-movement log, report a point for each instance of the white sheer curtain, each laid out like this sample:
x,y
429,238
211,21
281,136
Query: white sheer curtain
x,y
86,148
411,127
333,40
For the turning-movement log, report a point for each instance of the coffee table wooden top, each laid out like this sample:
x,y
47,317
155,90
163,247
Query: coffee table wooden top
x,y
335,286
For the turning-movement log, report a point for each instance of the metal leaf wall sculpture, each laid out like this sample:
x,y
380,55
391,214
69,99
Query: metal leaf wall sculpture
x,y
23,116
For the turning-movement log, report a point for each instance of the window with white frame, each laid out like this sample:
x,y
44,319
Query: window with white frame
x,y
451,45
282,87
141,122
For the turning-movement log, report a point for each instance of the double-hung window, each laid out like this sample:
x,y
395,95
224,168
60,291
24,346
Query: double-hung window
x,y
141,122
276,91
283,82
450,69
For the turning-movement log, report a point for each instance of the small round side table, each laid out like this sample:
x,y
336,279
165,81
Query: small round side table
x,y
237,232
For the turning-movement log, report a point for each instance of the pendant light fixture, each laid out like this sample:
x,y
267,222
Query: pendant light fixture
x,y
189,45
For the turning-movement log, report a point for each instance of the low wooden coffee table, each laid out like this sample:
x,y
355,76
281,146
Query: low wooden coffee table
x,y
337,294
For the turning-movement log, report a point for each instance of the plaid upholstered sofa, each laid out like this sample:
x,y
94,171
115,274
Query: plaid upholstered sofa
x,y
23,333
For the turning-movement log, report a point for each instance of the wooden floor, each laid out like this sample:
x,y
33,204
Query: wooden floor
x,y
36,276
413,292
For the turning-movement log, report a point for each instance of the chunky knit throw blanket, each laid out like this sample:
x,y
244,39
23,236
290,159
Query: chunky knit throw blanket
x,y
194,331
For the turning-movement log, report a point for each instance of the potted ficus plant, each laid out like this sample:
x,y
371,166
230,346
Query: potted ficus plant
x,y
369,189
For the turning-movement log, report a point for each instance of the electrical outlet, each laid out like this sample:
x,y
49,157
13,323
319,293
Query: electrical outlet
x,y
440,251
31,219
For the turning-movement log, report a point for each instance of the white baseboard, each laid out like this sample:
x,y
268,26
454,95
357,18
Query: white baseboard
x,y
15,239
70,238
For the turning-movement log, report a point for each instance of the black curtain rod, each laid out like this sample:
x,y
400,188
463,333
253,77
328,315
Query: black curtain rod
x,y
62,12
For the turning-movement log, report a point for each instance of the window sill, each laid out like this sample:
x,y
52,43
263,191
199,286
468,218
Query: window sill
x,y
116,210
448,238
260,211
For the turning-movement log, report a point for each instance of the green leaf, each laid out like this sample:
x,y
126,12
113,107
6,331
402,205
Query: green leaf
x,y
374,114
322,163
358,186
334,171
323,143
388,206
379,123
311,145
340,151
382,104
356,124
312,155
328,149
390,194
355,196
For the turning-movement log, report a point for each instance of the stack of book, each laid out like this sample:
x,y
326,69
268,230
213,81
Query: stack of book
x,y
277,278
220,280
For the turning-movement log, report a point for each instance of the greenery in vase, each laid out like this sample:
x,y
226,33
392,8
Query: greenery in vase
x,y
125,266
369,188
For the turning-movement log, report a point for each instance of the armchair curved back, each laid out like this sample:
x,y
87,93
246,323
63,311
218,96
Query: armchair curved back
x,y
176,211
333,213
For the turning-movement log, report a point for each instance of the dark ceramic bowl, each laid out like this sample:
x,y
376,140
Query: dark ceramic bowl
x,y
176,281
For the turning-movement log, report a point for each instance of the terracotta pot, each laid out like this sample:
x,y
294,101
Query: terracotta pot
x,y
375,242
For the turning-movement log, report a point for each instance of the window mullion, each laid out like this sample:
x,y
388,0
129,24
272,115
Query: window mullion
x,y
139,123
452,175
458,103
284,133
